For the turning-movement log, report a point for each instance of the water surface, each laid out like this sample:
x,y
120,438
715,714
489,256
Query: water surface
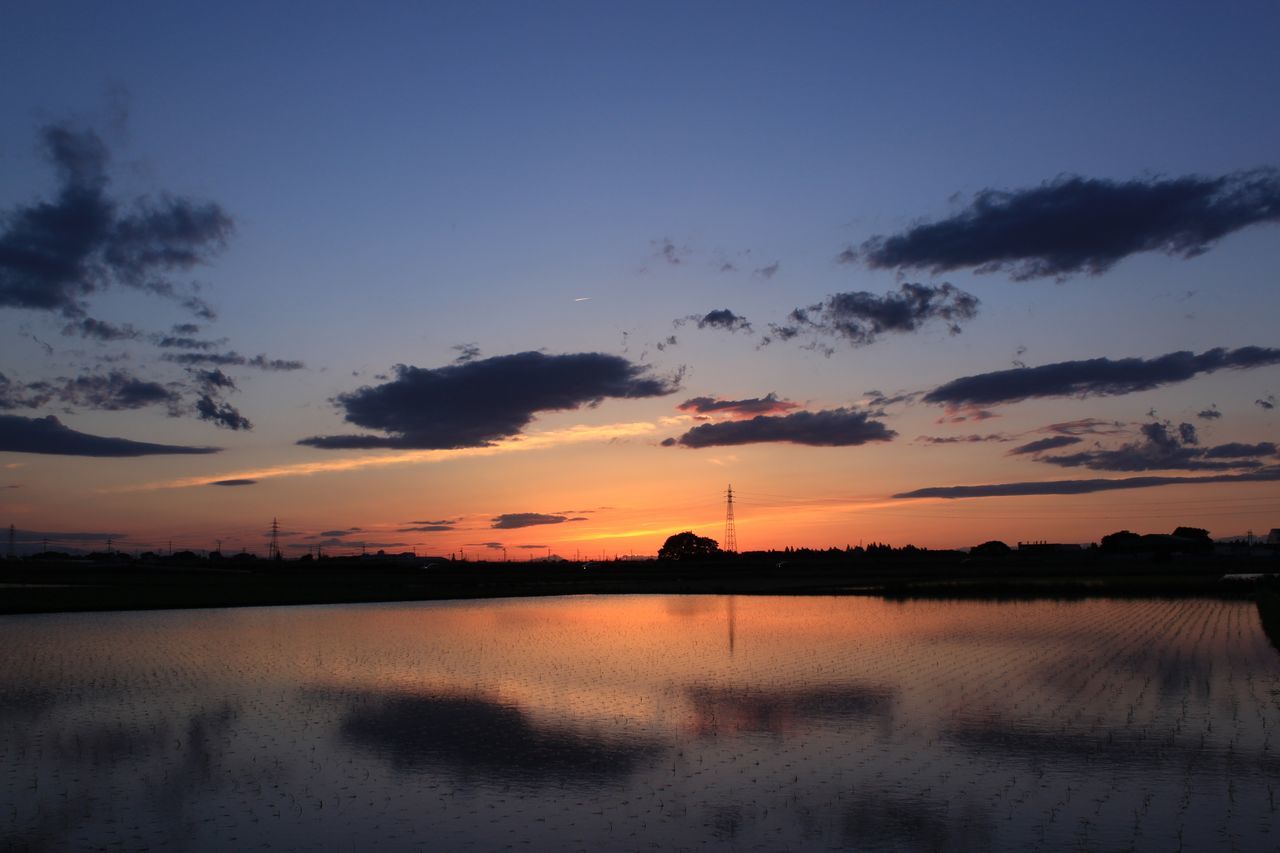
x,y
628,722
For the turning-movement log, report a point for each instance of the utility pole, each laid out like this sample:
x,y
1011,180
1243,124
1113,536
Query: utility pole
x,y
730,530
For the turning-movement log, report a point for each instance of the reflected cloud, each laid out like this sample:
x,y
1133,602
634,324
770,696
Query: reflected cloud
x,y
106,753
781,710
879,820
476,736
998,738
23,702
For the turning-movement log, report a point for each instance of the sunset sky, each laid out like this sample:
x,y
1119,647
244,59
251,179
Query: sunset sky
x,y
529,278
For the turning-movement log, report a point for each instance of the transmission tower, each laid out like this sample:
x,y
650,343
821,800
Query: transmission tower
x,y
273,550
730,532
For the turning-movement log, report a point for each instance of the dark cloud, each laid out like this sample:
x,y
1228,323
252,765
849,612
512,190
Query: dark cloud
x,y
849,255
768,271
100,330
1160,447
1235,449
212,380
831,428
860,317
720,318
238,482
16,395
200,308
116,390
1081,487
1086,426
878,399
476,403
261,362
492,546
426,528
186,342
225,359
1095,376
113,391
1209,414
1040,445
1075,224
350,544
1268,402
54,254
221,414
466,352
429,521
963,439
769,404
513,520
531,547
232,359
331,533
186,329
49,435
965,414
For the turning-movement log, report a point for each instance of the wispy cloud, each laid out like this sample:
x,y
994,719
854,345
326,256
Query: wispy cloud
x,y
1082,487
533,441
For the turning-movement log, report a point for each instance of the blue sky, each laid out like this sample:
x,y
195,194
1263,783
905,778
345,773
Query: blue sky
x,y
406,178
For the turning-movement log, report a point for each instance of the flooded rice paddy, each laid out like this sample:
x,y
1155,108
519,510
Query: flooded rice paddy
x,y
644,722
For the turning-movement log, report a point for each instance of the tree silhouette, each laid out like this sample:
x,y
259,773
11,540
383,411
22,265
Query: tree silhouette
x,y
993,548
687,546
1121,540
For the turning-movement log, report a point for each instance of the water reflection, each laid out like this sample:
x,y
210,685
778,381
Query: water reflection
x,y
621,723
1134,750
781,710
478,738
882,820
1269,614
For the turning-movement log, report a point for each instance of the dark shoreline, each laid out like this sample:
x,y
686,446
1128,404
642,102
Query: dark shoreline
x,y
50,586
